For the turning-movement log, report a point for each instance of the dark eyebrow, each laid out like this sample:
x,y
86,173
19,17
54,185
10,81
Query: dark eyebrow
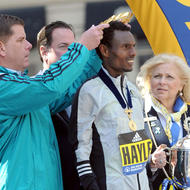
x,y
63,43
128,44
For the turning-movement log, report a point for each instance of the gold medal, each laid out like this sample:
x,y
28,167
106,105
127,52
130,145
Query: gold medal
x,y
123,102
132,124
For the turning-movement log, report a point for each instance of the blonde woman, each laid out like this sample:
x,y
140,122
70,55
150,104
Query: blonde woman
x,y
164,81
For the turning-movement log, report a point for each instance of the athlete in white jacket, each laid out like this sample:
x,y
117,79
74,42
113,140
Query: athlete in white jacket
x,y
107,120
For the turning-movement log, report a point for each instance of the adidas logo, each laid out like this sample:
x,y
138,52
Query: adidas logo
x,y
136,138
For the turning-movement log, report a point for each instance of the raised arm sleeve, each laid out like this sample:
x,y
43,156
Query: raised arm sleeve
x,y
90,69
22,94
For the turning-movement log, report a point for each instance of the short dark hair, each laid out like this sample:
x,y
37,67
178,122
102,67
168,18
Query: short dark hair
x,y
44,36
109,34
6,22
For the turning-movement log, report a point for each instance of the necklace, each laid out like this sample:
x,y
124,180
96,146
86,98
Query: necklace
x,y
126,106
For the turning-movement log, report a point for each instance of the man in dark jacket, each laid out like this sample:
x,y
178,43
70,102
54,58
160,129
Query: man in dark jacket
x,y
53,40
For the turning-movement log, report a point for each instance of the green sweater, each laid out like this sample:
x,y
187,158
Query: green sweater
x,y
29,155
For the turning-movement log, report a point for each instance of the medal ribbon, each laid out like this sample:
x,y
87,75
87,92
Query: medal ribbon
x,y
109,83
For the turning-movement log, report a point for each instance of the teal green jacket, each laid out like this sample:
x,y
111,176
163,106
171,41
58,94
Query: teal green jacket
x,y
29,155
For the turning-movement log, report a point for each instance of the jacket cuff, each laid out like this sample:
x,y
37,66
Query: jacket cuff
x,y
86,175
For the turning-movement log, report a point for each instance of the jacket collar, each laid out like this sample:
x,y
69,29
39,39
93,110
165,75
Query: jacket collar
x,y
4,70
158,130
117,80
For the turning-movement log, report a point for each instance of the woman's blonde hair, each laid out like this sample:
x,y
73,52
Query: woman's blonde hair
x,y
143,78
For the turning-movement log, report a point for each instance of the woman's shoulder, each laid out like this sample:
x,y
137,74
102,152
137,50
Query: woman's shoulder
x,y
188,109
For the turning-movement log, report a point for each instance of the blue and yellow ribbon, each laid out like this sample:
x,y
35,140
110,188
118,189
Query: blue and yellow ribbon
x,y
166,183
170,184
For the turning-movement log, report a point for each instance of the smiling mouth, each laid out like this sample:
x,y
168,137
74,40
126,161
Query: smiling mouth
x,y
131,61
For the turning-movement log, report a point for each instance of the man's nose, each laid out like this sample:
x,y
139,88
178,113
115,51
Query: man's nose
x,y
28,45
133,52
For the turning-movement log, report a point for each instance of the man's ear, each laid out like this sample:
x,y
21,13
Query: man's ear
x,y
2,49
104,50
43,52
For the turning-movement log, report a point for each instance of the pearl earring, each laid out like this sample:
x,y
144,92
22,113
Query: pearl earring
x,y
180,93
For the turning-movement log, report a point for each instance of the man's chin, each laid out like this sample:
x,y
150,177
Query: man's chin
x,y
129,70
26,65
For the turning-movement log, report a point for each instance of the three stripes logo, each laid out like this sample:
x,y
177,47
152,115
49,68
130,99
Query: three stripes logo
x,y
136,138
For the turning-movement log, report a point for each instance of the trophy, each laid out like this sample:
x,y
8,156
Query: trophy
x,y
179,162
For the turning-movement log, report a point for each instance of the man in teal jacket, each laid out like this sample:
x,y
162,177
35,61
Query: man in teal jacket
x,y
29,156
